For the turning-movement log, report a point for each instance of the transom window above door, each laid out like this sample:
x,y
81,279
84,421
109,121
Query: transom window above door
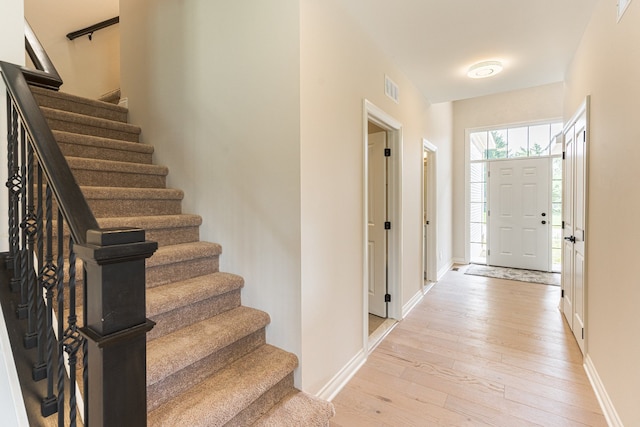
x,y
522,141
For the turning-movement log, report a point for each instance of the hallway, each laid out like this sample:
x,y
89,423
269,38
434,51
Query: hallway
x,y
476,351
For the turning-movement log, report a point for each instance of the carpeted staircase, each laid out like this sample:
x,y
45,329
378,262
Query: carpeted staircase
x,y
207,360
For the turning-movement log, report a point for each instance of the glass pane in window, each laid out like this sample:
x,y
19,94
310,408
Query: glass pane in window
x,y
478,233
556,128
478,141
556,191
556,164
477,172
556,143
556,238
477,192
497,144
556,257
539,140
477,212
517,142
556,214
478,253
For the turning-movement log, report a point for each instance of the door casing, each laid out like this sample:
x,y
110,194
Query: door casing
x,y
372,113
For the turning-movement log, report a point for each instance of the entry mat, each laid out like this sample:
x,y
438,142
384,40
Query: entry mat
x,y
518,274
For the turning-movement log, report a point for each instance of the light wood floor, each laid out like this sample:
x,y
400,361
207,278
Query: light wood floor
x,y
475,352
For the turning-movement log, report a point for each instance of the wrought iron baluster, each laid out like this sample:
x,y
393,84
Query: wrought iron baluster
x,y
72,338
23,307
40,367
30,228
49,279
61,320
13,184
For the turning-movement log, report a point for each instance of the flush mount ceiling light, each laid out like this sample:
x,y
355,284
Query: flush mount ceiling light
x,y
484,69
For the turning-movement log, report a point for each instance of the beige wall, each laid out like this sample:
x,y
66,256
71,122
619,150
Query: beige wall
x,y
215,87
527,105
339,68
89,68
607,67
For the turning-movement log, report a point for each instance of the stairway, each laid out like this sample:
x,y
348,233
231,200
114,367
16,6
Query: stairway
x,y
207,360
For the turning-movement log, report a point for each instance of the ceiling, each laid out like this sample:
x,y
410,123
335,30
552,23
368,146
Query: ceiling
x,y
434,42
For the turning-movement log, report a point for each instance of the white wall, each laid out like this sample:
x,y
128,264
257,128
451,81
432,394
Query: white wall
x,y
215,87
606,66
527,105
89,68
339,68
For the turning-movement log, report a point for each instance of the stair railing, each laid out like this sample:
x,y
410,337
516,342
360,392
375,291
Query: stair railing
x,y
107,345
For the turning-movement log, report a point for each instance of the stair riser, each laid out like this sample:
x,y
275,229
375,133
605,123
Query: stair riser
x,y
164,390
97,178
83,129
79,108
263,404
185,316
167,273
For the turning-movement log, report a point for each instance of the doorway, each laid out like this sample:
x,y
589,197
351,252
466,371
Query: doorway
x,y
382,150
429,212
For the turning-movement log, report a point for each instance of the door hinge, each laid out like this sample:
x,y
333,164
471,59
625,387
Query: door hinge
x,y
427,222
489,213
584,136
582,333
387,297
387,225
562,293
488,251
387,152
563,155
488,174
563,225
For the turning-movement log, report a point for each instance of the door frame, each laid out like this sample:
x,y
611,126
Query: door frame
x,y
432,211
374,114
583,111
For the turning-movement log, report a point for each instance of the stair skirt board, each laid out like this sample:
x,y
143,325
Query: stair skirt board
x,y
208,362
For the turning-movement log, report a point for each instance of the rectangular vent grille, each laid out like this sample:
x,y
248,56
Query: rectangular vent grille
x,y
391,89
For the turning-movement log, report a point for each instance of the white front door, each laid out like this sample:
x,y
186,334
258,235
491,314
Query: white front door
x,y
519,217
574,217
376,217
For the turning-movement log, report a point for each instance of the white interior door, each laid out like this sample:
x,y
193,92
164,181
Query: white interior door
x,y
573,263
376,217
519,219
425,217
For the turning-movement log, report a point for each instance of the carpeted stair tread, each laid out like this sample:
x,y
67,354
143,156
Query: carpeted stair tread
x,y
298,409
88,125
162,299
177,350
109,173
126,202
79,105
78,145
219,398
185,251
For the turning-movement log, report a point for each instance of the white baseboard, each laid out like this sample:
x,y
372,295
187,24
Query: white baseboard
x,y
601,393
445,268
337,383
412,303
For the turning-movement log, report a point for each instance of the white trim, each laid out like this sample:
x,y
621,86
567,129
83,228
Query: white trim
x,y
415,300
14,411
446,268
372,113
339,380
610,414
379,334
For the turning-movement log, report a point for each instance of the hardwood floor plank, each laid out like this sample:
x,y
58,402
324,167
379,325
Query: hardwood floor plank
x,y
475,352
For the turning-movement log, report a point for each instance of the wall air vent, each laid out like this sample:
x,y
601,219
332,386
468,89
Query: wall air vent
x,y
391,89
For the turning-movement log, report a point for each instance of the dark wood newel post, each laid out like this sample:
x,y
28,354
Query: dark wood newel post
x,y
116,326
